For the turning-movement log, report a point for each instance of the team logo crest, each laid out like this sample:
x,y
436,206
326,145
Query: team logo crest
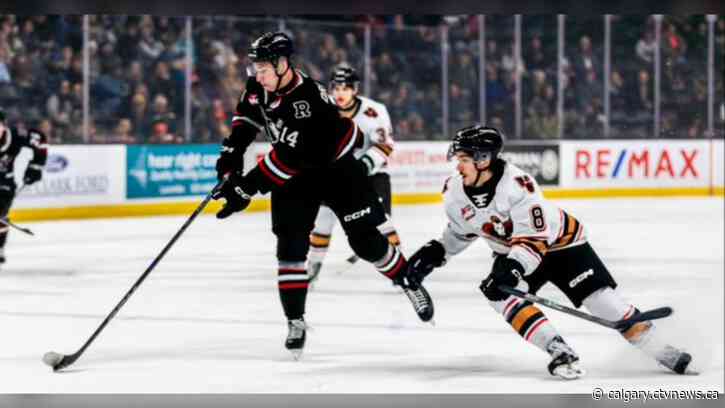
x,y
371,112
498,228
253,99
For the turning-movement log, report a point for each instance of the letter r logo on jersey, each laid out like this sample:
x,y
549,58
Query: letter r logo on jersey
x,y
302,109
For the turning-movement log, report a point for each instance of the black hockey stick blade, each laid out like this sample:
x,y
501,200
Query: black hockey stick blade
x,y
59,361
654,314
7,222
612,324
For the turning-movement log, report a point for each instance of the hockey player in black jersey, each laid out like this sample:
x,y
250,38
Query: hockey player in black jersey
x,y
377,144
311,161
11,141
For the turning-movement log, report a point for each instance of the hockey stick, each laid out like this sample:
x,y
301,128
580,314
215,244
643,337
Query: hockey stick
x,y
59,361
7,222
653,314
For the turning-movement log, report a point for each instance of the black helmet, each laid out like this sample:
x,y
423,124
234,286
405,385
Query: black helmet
x,y
481,142
344,74
270,46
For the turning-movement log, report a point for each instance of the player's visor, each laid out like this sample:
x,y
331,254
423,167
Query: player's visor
x,y
475,155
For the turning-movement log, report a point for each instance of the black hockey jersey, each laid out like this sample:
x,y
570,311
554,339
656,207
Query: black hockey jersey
x,y
302,123
11,141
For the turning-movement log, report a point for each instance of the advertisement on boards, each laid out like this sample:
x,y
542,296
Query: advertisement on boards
x,y
636,164
74,175
170,170
538,159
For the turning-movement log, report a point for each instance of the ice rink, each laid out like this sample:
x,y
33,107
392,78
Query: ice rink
x,y
209,319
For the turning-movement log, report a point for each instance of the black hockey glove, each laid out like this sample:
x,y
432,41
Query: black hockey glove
x,y
424,260
32,175
229,160
505,271
237,191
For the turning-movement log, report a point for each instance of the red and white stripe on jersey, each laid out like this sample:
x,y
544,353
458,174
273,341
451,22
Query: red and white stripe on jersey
x,y
630,312
348,141
534,326
292,275
513,302
238,120
274,169
392,262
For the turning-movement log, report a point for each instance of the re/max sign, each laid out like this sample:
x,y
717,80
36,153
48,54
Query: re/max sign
x,y
672,163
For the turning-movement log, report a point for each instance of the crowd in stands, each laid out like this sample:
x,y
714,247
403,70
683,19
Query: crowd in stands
x,y
138,68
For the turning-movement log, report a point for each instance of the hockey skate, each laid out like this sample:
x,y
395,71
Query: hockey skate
x,y
565,362
295,342
676,360
421,300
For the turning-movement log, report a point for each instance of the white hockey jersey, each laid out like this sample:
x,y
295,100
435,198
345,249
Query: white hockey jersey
x,y
373,119
511,214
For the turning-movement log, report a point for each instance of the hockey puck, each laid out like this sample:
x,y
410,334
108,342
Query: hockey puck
x,y
52,358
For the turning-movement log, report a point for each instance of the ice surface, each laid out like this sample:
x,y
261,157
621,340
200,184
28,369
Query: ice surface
x,y
209,319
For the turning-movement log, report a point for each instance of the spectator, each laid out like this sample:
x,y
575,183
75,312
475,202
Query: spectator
x,y
645,48
149,47
162,82
46,127
139,115
60,106
123,132
161,111
162,134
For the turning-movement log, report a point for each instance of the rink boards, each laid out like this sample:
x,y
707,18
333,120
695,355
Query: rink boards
x,y
89,181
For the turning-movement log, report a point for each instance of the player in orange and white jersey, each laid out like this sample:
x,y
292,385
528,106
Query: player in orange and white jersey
x,y
534,242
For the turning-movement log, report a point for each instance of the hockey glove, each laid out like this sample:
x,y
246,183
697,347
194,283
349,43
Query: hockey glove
x,y
229,160
424,260
33,174
234,191
506,271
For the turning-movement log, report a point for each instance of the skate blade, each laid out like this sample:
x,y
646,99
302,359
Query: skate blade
x,y
432,322
568,372
349,263
296,354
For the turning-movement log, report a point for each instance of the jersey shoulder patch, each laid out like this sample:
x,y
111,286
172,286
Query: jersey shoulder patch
x,y
371,112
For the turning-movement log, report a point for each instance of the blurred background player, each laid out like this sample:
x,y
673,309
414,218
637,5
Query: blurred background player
x,y
534,242
374,150
12,141
311,161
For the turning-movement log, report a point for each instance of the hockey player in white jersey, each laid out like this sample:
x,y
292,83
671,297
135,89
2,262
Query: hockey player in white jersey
x,y
534,242
373,149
